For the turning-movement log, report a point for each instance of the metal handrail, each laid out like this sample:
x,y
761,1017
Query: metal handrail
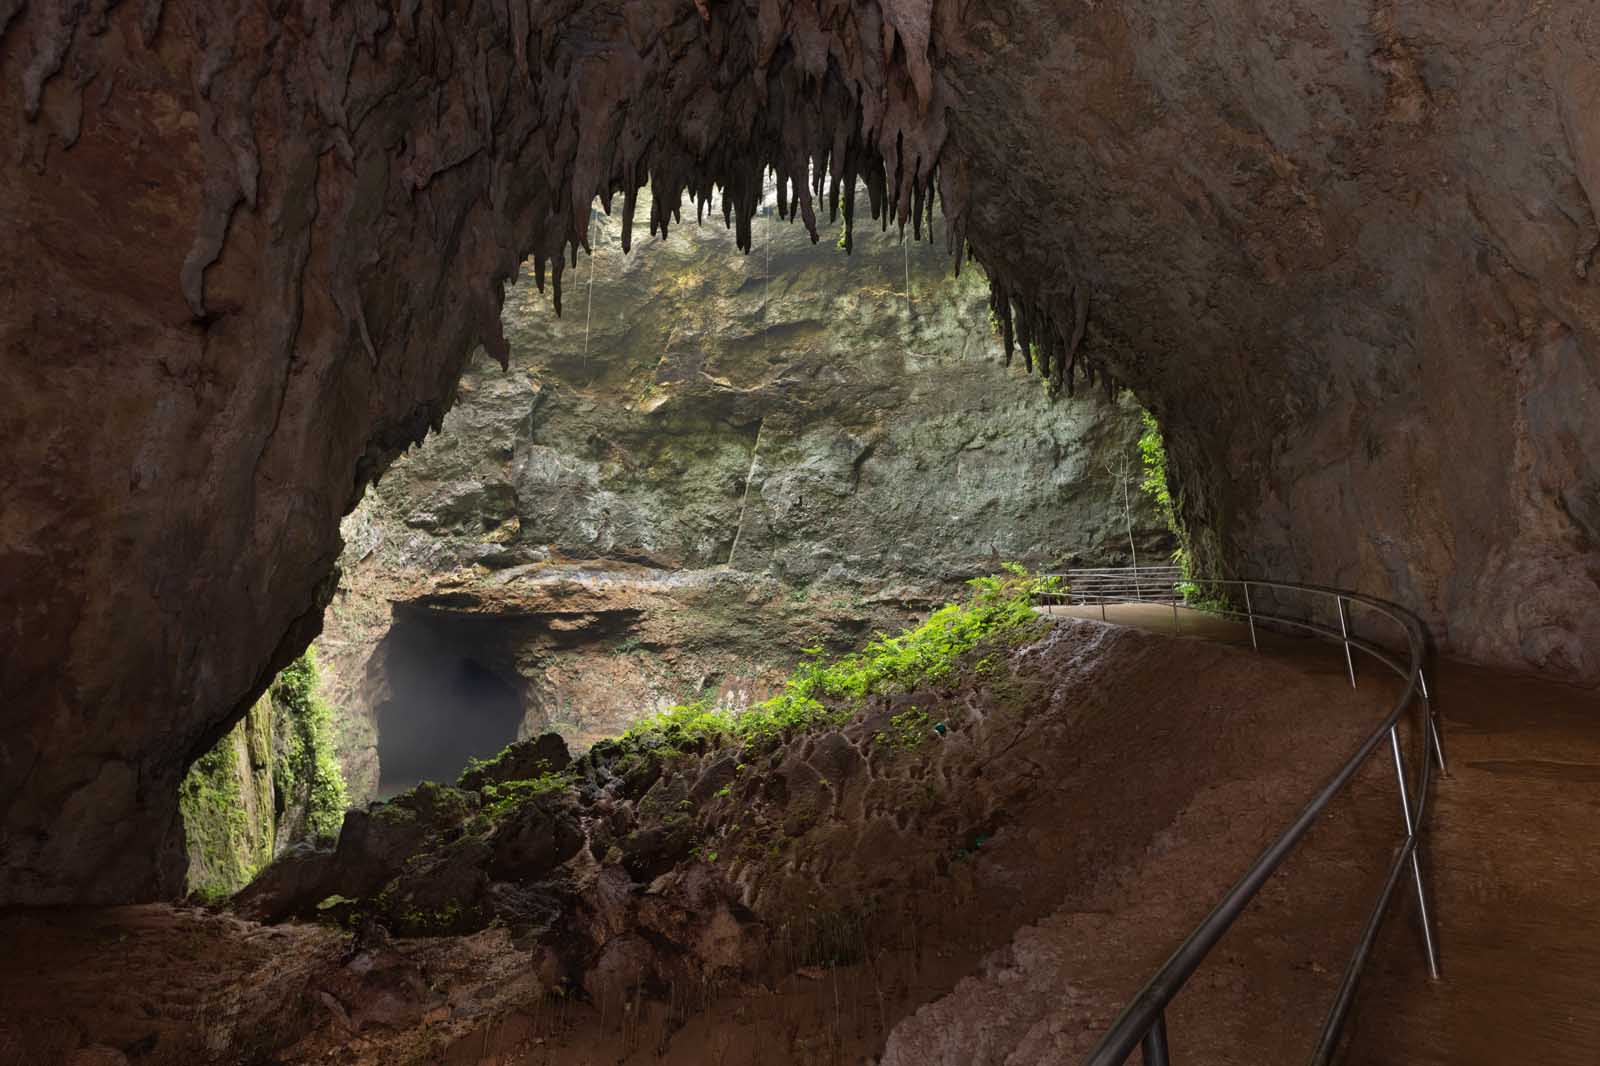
x,y
1143,1022
1142,584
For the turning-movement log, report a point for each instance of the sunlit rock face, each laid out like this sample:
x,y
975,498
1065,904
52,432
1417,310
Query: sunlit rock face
x,y
787,411
1345,250
712,461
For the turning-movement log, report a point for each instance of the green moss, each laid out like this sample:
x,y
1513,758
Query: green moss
x,y
230,834
821,693
272,779
307,765
502,798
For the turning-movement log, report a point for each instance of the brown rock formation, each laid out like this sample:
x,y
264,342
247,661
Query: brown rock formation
x,y
1343,250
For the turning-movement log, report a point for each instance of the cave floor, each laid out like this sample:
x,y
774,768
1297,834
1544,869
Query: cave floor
x,y
1516,888
1017,958
1514,876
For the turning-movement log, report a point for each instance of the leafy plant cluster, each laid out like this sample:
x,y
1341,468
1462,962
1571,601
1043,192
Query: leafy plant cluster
x,y
823,693
500,798
307,765
1153,452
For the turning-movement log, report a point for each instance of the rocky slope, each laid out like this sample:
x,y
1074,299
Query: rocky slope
x,y
1343,250
713,461
688,898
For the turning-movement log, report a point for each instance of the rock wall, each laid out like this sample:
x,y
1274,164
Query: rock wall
x,y
273,780
1345,252
1342,250
712,461
227,804
790,411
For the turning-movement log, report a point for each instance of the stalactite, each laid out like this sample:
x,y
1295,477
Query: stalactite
x,y
749,91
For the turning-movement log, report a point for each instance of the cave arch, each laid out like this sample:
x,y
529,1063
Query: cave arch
x,y
315,211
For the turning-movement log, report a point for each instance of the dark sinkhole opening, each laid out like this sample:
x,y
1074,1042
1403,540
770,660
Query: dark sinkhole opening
x,y
444,706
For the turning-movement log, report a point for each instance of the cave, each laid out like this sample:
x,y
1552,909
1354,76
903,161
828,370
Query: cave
x,y
1342,253
444,708
1398,407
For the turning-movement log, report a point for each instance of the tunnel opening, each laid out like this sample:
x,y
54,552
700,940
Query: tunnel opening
x,y
446,704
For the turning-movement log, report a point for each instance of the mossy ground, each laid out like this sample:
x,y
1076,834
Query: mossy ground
x,y
676,785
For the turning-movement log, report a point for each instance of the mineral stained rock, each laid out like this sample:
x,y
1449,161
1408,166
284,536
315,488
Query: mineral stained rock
x,y
1344,250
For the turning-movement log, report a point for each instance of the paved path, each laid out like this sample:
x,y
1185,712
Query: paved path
x,y
1513,855
1514,843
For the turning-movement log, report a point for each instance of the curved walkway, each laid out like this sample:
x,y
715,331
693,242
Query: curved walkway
x,y
1514,853
1514,875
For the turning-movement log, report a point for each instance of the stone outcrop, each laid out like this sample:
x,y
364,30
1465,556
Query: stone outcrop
x,y
1343,251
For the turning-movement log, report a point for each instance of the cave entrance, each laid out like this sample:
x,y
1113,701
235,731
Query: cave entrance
x,y
713,460
446,705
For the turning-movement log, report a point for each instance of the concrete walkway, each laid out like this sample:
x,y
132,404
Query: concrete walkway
x,y
1514,846
1512,852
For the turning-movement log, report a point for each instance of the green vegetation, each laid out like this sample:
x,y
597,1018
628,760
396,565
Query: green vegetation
x,y
1153,452
907,730
270,780
212,805
502,798
226,804
821,693
306,764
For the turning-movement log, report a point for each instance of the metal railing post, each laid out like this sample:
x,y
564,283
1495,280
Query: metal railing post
x,y
1416,864
1155,1043
1142,1022
1400,779
1433,723
1344,632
